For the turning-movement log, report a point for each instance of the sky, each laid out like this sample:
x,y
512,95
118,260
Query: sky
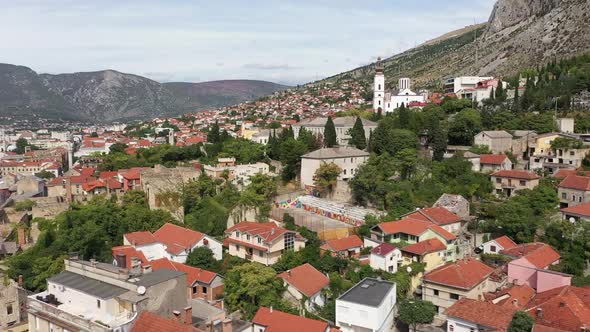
x,y
283,41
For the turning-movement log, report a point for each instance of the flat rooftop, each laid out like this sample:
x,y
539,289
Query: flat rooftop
x,y
87,285
369,292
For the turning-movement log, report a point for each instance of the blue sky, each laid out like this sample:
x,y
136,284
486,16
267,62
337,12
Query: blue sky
x,y
281,40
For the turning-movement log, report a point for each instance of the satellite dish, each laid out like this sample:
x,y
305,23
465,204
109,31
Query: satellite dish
x,y
572,220
141,290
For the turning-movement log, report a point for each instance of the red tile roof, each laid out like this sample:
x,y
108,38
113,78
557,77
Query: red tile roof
x,y
193,274
464,274
543,328
88,171
383,249
278,321
149,322
140,238
582,210
516,174
492,159
228,240
514,297
438,215
482,313
566,308
505,242
268,231
306,279
563,173
425,247
539,254
177,238
343,244
576,182
413,227
129,252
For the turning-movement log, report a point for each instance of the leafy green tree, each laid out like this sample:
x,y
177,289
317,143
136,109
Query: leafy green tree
x,y
290,155
413,312
203,258
521,322
251,285
480,149
45,175
330,138
438,140
325,177
465,125
118,148
25,205
21,145
357,135
310,140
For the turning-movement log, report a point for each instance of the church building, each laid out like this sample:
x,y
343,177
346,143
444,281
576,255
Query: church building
x,y
389,101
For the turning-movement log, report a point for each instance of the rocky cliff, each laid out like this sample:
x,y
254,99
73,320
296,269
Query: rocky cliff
x,y
519,34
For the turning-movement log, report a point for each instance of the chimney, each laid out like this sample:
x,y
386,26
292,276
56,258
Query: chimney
x,y
539,313
515,302
227,326
176,315
271,309
147,269
22,238
188,315
20,280
121,259
289,273
583,328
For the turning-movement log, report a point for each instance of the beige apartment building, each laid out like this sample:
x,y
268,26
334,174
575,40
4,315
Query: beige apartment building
x,y
264,243
508,182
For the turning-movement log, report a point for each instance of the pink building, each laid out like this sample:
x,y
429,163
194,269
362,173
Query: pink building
x,y
531,267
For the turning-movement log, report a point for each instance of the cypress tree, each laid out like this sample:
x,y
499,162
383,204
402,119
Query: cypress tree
x,y
500,90
492,94
357,135
439,141
404,117
214,136
330,138
275,147
516,102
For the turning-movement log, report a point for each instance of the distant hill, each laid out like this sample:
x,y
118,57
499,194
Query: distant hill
x,y
519,34
110,95
220,93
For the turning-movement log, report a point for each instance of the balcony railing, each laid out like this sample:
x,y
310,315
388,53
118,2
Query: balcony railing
x,y
122,322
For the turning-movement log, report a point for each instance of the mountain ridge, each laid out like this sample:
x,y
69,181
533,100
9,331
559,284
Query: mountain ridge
x,y
110,95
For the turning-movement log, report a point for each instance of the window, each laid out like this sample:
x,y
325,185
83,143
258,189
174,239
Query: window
x,y
98,304
498,180
260,253
580,199
195,290
522,183
237,247
248,237
435,292
564,195
259,239
574,198
344,172
493,248
454,296
204,290
237,234
9,309
289,241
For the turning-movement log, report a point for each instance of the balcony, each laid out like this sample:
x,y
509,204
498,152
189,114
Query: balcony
x,y
52,313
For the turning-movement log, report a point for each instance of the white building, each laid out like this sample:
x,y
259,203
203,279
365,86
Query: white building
x,y
389,101
496,245
172,242
386,257
456,84
349,159
243,173
368,306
